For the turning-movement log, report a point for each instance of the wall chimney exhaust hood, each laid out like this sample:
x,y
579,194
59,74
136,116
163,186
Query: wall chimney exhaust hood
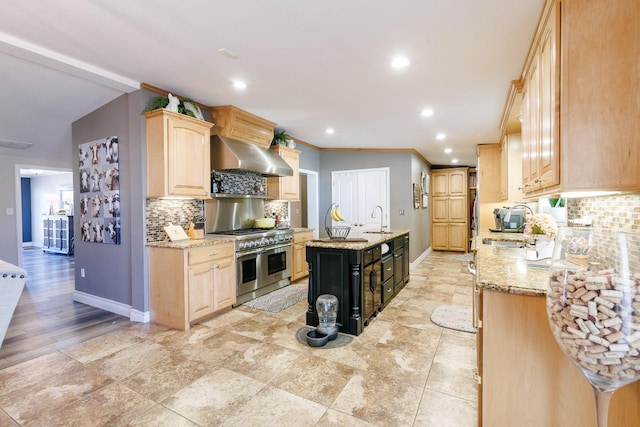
x,y
232,154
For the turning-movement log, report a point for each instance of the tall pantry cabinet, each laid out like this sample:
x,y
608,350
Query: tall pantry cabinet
x,y
450,209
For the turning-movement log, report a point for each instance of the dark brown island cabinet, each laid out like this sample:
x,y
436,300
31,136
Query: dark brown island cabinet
x,y
364,276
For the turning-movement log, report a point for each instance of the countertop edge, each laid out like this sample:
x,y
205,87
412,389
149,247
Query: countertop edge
x,y
373,239
498,270
191,243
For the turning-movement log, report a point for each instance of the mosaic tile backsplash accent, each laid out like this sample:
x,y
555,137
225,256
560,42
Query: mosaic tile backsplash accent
x,y
615,212
160,212
238,183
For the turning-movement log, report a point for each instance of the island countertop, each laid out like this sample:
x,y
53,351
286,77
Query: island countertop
x,y
504,269
366,240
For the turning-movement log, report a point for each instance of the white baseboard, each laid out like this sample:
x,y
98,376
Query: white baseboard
x,y
111,306
140,316
420,258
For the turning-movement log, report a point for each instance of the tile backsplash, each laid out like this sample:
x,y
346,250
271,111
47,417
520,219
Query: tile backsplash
x,y
621,212
160,212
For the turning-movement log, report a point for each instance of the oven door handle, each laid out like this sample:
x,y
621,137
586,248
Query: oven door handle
x,y
262,250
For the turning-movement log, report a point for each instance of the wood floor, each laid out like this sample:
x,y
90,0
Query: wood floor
x,y
46,318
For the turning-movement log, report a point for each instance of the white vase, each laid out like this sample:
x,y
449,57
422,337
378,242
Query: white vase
x,y
544,246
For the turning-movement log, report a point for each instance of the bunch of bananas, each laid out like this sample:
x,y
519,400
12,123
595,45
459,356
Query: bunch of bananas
x,y
335,213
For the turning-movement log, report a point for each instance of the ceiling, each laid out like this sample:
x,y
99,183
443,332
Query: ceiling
x,y
308,66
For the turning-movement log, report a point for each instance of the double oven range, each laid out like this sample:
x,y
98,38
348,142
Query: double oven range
x,y
263,260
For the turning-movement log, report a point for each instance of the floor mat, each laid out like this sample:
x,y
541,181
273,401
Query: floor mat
x,y
463,257
456,317
279,299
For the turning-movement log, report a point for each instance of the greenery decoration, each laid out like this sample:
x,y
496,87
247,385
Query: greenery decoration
x,y
163,101
280,137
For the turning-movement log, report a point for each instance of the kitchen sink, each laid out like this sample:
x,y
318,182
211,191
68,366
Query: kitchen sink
x,y
504,243
379,232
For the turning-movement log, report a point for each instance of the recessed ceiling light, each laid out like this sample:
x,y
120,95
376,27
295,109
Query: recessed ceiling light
x,y
426,112
400,62
330,131
229,54
454,160
441,136
239,84
448,150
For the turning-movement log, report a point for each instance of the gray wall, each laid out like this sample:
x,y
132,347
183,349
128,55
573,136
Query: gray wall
x,y
404,169
116,272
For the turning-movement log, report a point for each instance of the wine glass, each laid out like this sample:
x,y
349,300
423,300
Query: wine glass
x,y
593,303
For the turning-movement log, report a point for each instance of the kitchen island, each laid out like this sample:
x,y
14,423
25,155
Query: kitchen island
x,y
523,376
364,272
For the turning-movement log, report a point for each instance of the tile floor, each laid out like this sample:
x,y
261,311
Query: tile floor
x,y
246,368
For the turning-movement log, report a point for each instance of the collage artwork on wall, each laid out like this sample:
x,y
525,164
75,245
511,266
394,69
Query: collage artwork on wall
x,y
99,175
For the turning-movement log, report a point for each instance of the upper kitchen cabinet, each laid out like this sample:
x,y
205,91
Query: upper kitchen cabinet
x,y
286,187
490,173
235,123
580,108
177,155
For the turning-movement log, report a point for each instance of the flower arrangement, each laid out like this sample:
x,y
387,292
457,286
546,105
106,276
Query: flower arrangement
x,y
541,223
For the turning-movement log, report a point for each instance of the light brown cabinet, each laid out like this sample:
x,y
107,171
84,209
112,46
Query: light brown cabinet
x,y
450,209
235,123
490,173
525,376
580,128
178,161
300,267
186,285
286,187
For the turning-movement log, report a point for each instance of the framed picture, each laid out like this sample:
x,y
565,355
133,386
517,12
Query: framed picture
x,y
99,176
416,196
424,181
425,201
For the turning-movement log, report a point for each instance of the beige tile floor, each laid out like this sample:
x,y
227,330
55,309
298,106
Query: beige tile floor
x,y
246,368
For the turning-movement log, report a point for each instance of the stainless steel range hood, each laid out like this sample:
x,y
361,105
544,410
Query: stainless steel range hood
x,y
232,154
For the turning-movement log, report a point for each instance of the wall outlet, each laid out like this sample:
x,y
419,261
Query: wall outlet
x,y
82,272
9,211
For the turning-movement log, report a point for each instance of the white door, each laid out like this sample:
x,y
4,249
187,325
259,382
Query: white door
x,y
358,192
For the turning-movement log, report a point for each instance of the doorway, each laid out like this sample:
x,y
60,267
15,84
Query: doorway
x,y
309,201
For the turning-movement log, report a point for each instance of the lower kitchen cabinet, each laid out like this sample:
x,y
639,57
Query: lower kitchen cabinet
x,y
524,376
186,285
449,237
300,267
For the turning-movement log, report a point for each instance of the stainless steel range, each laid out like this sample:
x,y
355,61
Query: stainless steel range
x,y
263,261
263,256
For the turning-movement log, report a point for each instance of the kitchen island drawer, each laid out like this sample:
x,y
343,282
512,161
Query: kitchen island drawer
x,y
387,268
387,291
210,253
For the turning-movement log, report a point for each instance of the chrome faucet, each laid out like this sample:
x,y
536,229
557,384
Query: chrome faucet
x,y
507,217
373,215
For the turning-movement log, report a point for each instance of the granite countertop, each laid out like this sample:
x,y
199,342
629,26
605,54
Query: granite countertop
x,y
301,229
371,240
209,240
506,269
